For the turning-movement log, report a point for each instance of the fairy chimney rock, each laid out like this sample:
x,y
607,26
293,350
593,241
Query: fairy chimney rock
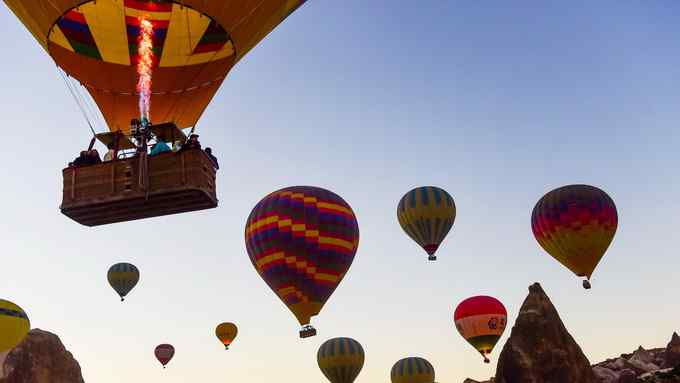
x,y
540,349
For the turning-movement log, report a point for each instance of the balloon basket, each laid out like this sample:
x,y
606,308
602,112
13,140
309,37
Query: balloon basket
x,y
307,331
586,284
432,258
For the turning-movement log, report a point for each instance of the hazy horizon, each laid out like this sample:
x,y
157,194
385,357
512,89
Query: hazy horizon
x,y
496,103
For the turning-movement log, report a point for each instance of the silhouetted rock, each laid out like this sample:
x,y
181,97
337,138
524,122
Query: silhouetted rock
x,y
40,358
540,349
672,354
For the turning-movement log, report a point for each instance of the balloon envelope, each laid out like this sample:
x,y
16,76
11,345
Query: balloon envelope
x,y
340,359
575,224
412,370
226,333
196,43
164,353
481,321
302,241
427,214
123,277
14,325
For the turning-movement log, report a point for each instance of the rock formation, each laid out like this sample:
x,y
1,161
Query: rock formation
x,y
643,366
540,350
672,354
39,358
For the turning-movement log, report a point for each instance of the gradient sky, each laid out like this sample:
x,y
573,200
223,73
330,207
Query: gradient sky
x,y
496,103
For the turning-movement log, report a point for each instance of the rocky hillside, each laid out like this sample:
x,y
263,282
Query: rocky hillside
x,y
541,350
40,358
658,365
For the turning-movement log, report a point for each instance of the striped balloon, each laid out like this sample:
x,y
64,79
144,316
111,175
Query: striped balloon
x,y
340,359
302,241
164,353
575,224
14,325
481,320
412,370
123,277
427,214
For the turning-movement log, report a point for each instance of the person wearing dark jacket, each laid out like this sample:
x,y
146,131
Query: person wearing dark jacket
x,y
208,151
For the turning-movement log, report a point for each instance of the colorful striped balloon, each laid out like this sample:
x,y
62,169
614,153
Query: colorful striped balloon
x,y
412,370
427,214
164,353
340,359
123,277
575,224
302,240
14,325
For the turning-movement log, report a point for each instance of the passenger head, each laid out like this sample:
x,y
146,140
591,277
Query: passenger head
x,y
83,153
109,146
208,150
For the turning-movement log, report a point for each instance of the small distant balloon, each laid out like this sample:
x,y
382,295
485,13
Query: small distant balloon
x,y
14,325
427,214
481,321
575,225
123,277
226,333
340,359
164,353
412,370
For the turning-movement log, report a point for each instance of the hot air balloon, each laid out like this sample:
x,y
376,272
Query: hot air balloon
x,y
123,277
226,333
14,325
340,359
164,353
412,370
575,224
143,61
426,214
302,240
481,321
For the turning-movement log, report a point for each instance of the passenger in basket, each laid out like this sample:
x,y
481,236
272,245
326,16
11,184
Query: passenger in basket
x,y
110,154
192,143
208,151
159,147
93,157
81,160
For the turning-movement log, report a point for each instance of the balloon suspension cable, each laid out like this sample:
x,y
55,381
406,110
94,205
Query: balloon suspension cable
x,y
78,98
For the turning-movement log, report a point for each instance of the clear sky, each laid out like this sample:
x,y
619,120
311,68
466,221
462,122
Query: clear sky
x,y
496,103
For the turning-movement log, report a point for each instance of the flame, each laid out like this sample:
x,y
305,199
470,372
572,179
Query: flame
x,y
145,66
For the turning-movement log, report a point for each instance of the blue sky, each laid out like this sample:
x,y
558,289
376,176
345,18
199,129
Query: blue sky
x,y
496,103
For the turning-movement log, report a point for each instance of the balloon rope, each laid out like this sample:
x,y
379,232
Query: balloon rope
x,y
78,101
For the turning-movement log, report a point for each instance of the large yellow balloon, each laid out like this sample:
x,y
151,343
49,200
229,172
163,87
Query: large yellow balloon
x,y
226,333
14,325
196,43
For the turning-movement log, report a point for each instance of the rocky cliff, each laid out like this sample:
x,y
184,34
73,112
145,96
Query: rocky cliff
x,y
657,365
540,349
39,358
